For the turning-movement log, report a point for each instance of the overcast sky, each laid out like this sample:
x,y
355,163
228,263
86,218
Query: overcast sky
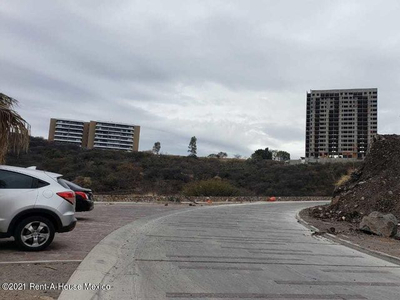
x,y
232,73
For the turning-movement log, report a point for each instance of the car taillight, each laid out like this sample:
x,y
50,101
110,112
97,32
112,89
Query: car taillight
x,y
82,194
69,196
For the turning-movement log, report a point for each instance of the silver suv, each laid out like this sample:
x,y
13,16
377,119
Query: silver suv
x,y
33,206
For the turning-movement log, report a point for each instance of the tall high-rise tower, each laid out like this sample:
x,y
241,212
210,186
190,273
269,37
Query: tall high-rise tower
x,y
340,123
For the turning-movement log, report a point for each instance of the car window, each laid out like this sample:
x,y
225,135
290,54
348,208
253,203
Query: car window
x,y
12,180
42,183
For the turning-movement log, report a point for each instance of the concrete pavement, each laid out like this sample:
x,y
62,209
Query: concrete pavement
x,y
91,228
249,251
57,263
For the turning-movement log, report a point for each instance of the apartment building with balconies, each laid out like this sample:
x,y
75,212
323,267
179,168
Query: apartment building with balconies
x,y
95,134
340,123
67,131
105,135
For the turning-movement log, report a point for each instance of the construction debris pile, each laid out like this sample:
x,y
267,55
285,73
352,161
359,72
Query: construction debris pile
x,y
373,187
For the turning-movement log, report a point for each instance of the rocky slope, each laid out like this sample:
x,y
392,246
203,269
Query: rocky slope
x,y
375,186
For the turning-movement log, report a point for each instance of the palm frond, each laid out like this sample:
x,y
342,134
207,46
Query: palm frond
x,y
14,130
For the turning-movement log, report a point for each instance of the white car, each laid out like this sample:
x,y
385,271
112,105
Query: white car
x,y
33,206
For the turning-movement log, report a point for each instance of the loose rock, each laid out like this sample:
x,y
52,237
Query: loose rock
x,y
379,224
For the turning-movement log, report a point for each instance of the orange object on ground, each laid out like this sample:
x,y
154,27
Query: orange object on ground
x,y
272,198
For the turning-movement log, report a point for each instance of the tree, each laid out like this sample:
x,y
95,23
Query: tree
x,y
237,156
280,155
283,156
14,130
222,155
219,155
156,148
261,154
192,148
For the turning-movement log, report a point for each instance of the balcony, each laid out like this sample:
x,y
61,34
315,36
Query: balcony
x,y
68,135
69,123
68,140
114,142
77,128
105,130
114,126
112,147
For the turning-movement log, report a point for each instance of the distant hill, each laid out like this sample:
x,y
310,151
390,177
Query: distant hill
x,y
144,173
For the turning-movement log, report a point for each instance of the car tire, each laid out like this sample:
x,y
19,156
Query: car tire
x,y
34,233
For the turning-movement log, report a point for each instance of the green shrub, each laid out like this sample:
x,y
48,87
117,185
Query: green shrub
x,y
145,173
211,187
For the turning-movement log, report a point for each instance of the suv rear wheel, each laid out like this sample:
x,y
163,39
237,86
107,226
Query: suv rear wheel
x,y
34,233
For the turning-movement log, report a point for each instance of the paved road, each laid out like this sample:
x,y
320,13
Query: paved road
x,y
255,251
58,262
91,228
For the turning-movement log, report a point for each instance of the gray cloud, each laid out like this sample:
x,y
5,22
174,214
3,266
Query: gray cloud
x,y
233,73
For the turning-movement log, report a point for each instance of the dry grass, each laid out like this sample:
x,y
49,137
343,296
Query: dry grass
x,y
344,178
14,130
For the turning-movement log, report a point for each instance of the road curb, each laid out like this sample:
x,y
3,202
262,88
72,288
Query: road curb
x,y
374,253
305,223
199,203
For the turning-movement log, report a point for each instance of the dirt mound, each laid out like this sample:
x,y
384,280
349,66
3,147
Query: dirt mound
x,y
373,187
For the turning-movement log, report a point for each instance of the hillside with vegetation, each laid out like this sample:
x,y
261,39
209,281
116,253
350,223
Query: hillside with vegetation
x,y
146,173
